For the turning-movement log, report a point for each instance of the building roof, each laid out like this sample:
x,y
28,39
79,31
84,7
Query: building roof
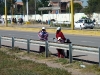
x,y
20,3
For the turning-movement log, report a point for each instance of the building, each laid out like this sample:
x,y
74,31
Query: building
x,y
19,3
63,4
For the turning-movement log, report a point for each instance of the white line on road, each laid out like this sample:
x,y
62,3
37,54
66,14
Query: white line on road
x,y
88,41
10,34
29,35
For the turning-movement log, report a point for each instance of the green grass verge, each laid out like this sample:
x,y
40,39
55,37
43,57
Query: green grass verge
x,y
11,65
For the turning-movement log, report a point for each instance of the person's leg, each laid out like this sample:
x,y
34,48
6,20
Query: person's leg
x,y
67,53
58,52
42,49
62,53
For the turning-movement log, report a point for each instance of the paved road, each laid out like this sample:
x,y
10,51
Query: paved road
x,y
76,39
82,55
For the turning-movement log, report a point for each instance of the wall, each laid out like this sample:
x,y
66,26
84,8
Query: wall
x,y
58,17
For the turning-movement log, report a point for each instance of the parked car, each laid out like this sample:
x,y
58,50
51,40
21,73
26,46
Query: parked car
x,y
53,20
84,23
1,20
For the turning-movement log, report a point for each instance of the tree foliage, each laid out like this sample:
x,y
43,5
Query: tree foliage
x,y
9,5
31,6
43,3
93,7
2,8
24,6
24,1
77,8
14,1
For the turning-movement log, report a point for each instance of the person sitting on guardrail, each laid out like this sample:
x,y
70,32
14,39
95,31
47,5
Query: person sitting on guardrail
x,y
43,36
60,39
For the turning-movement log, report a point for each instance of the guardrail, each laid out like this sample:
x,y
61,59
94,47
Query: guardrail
x,y
47,44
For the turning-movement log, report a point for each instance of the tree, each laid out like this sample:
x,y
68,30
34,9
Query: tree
x,y
1,1
14,1
24,6
77,8
32,6
93,6
19,9
9,5
2,7
43,3
98,9
13,10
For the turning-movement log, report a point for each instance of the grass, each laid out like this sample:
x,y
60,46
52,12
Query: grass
x,y
62,61
12,65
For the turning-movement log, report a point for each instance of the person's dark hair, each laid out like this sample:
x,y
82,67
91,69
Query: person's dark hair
x,y
58,31
43,30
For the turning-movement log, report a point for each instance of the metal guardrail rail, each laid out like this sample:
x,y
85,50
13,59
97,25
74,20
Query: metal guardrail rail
x,y
66,46
86,48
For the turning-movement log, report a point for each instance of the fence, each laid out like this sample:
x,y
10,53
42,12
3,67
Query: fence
x,y
49,44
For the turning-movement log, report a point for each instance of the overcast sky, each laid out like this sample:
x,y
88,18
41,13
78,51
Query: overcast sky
x,y
84,2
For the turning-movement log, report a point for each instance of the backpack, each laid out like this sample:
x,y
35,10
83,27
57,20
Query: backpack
x,y
43,34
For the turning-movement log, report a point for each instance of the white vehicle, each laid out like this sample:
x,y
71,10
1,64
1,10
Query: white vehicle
x,y
84,23
1,20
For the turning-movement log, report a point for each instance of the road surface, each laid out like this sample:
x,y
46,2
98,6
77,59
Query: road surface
x,y
83,40
76,39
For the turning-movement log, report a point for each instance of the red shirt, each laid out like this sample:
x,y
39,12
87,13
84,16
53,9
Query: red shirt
x,y
60,34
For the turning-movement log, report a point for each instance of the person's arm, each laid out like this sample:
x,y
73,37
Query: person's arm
x,y
56,36
62,36
46,36
39,34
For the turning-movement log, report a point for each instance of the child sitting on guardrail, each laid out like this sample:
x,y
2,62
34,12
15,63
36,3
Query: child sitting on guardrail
x,y
43,36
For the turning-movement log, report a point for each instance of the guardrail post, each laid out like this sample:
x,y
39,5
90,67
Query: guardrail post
x,y
70,53
12,42
28,45
99,56
46,49
0,41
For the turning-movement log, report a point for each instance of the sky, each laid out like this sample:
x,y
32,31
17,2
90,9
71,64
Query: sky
x,y
18,0
84,2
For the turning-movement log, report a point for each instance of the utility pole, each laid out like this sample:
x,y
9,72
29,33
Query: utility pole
x,y
27,9
35,9
72,15
6,13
